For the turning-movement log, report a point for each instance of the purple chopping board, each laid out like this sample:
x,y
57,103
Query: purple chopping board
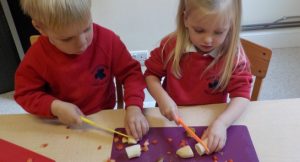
x,y
238,147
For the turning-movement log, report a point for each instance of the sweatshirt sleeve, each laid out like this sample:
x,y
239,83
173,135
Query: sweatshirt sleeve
x,y
128,71
30,88
241,79
157,62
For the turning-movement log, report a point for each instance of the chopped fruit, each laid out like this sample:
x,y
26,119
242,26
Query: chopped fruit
x,y
146,143
99,147
187,134
124,140
116,139
170,139
182,143
154,141
119,146
185,152
215,157
160,159
110,160
44,145
132,141
200,148
133,151
145,148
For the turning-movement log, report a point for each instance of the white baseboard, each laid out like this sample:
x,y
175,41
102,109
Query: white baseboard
x,y
275,38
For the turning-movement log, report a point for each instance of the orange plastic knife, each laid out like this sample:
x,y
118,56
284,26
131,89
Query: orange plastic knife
x,y
189,130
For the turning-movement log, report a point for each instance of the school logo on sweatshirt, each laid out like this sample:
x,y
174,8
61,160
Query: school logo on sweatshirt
x,y
212,83
100,72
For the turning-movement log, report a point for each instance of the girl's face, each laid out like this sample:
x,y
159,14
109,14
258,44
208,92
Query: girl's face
x,y
73,39
206,32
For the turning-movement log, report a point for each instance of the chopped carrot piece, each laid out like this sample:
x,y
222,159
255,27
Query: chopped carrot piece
x,y
119,146
182,143
154,141
215,157
116,139
44,145
110,160
145,148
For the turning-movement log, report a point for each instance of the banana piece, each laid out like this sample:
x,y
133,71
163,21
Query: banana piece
x,y
129,140
132,141
185,152
199,147
133,151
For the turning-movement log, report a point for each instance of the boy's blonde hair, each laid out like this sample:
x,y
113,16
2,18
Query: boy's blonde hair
x,y
56,14
231,9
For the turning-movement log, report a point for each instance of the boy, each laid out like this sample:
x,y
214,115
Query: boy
x,y
69,71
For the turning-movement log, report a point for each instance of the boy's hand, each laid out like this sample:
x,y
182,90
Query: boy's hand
x,y
135,122
217,135
168,108
67,113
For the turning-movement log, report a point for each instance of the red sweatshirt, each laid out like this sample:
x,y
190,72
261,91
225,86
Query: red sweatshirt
x,y
86,80
191,88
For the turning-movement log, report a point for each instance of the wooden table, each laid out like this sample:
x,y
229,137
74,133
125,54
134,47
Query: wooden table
x,y
274,127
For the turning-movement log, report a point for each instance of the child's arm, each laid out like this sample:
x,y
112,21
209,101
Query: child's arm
x,y
217,131
67,113
135,122
239,88
167,106
128,72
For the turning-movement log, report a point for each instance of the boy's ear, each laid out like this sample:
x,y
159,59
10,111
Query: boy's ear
x,y
39,27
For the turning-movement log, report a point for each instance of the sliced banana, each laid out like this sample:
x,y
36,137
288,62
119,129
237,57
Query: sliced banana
x,y
200,148
133,151
185,152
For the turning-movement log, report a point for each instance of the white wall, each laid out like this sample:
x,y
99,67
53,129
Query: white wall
x,y
142,23
267,11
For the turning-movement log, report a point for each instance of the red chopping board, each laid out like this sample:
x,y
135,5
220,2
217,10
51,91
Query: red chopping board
x,y
10,152
238,147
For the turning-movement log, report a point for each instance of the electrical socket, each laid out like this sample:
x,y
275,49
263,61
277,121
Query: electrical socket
x,y
141,56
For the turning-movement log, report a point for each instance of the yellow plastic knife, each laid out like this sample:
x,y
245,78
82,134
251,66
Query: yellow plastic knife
x,y
90,122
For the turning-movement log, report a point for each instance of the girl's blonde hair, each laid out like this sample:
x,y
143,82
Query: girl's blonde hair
x,y
56,14
228,50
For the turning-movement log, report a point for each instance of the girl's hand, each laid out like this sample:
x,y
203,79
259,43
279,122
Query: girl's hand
x,y
135,122
168,108
67,113
217,135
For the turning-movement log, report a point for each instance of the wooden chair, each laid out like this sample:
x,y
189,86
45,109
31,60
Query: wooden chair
x,y
259,58
119,87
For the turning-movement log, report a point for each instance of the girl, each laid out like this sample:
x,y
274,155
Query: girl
x,y
202,62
